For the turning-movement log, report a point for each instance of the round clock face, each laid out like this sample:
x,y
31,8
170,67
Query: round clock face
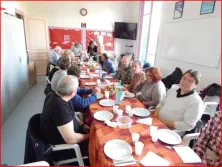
x,y
83,12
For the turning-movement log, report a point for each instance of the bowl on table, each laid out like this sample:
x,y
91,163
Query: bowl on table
x,y
124,122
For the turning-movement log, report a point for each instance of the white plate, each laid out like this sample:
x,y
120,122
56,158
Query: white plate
x,y
90,83
108,77
117,149
128,94
107,102
99,96
103,115
84,76
141,112
168,136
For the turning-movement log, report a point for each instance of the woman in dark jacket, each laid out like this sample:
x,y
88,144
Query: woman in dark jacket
x,y
107,64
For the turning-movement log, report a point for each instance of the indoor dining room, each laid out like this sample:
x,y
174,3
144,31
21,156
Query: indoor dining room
x,y
103,83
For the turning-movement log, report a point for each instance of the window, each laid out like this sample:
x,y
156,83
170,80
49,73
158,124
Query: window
x,y
149,32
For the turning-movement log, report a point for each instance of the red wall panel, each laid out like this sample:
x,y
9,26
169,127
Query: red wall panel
x,y
108,38
64,37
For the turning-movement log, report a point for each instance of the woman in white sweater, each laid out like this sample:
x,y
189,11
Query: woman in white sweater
x,y
182,107
152,90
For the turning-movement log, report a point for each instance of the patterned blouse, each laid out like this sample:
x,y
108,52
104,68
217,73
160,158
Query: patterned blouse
x,y
210,138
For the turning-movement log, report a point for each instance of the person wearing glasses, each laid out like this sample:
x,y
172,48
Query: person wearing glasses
x,y
182,106
138,76
152,90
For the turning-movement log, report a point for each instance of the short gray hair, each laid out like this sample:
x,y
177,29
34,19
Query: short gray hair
x,y
137,62
67,84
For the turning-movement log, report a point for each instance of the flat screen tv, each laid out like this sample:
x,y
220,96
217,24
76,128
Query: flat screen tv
x,y
125,30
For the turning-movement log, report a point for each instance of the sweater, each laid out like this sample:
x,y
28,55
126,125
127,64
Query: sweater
x,y
185,111
80,103
153,92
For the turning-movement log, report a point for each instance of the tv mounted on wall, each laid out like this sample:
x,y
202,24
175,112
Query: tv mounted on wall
x,y
125,30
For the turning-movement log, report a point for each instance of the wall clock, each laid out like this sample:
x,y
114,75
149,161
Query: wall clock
x,y
83,12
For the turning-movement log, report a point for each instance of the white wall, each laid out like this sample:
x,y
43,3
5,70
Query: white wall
x,y
101,16
21,5
191,12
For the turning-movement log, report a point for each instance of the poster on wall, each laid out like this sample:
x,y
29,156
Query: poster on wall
x,y
178,11
207,7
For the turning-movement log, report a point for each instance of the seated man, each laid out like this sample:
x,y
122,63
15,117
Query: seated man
x,y
64,64
209,142
58,124
182,107
78,102
124,72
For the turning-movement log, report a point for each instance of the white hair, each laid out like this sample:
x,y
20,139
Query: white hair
x,y
67,84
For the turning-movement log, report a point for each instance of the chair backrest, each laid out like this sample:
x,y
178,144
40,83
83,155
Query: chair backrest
x,y
35,145
188,137
211,103
34,125
47,79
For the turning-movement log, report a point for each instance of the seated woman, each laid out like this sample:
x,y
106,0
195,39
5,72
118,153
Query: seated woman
x,y
182,107
107,64
78,102
151,91
76,49
138,76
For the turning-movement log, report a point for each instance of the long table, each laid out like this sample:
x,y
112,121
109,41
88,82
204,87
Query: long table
x,y
101,133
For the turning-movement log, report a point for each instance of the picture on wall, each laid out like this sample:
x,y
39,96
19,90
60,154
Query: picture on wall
x,y
207,7
178,11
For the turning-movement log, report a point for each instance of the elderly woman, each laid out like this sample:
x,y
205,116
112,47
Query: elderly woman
x,y
138,76
76,49
151,91
182,107
107,64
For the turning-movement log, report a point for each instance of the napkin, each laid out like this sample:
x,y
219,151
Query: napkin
x,y
111,124
125,162
187,154
152,159
147,121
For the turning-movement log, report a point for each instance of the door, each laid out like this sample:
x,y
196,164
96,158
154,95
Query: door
x,y
14,63
37,42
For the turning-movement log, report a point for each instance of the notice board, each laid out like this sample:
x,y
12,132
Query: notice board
x,y
64,37
108,38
